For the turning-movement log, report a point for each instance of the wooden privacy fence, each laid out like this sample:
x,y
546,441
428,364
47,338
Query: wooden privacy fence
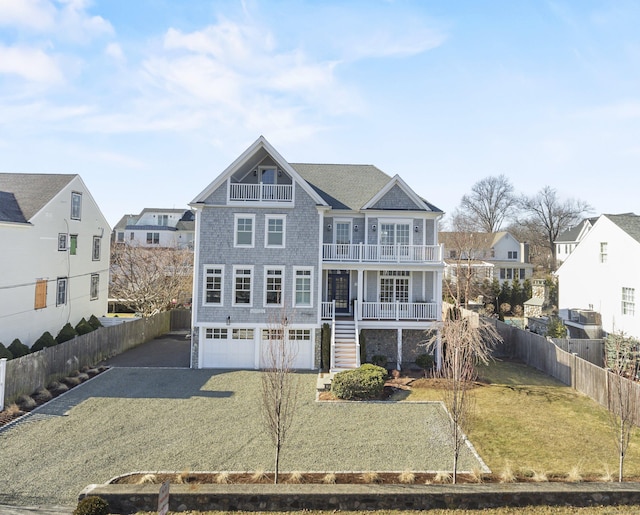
x,y
587,378
26,374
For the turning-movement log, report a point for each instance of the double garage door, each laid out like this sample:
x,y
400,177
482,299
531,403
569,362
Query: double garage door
x,y
224,347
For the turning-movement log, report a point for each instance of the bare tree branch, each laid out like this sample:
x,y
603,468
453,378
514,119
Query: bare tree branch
x,y
490,203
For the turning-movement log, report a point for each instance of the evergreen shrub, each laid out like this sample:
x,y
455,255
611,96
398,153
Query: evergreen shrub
x,y
366,382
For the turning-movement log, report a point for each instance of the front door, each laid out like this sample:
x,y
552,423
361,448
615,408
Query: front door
x,y
338,290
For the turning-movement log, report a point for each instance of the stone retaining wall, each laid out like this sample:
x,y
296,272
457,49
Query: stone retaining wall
x,y
285,497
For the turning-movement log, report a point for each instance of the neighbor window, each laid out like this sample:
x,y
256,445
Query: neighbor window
x,y
95,286
95,255
61,291
303,287
163,219
275,228
120,237
73,244
244,225
512,254
242,285
76,205
628,301
273,286
153,238
213,284
603,252
522,273
62,241
41,294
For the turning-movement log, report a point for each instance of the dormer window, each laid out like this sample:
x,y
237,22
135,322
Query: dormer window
x,y
269,175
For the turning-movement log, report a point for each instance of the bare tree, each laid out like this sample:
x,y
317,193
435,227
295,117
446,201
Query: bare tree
x,y
552,215
467,340
148,280
623,361
279,386
490,203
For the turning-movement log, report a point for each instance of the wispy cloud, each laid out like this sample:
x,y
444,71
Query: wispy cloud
x,y
31,64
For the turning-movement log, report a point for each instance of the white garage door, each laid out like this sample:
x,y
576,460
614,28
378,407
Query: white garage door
x,y
228,348
298,342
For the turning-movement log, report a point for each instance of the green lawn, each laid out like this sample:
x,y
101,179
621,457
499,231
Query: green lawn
x,y
531,422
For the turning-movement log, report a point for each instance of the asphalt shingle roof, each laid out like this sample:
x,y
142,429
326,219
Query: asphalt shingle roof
x,y
32,191
628,222
9,208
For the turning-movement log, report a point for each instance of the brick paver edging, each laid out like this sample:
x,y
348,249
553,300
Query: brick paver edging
x,y
285,497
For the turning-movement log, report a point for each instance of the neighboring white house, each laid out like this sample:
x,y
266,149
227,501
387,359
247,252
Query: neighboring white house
x,y
569,239
55,257
602,275
153,227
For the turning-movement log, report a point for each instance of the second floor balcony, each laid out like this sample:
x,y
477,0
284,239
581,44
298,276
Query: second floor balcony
x,y
280,193
368,253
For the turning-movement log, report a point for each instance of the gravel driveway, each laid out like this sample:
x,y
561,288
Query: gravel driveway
x,y
132,419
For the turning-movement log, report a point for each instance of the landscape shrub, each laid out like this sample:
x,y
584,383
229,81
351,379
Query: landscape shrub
x,y
325,347
5,353
18,349
363,347
425,361
366,382
84,327
92,505
46,340
94,322
66,333
379,360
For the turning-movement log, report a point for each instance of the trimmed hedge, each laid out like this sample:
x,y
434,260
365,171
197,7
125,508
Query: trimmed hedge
x,y
84,327
4,352
18,349
46,340
325,347
425,361
364,383
66,333
94,322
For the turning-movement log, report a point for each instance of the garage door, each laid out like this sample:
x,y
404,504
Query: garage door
x,y
228,348
299,344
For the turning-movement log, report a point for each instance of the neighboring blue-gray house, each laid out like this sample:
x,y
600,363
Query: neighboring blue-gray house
x,y
312,244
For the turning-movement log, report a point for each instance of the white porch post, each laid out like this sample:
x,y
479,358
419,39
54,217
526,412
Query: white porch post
x,y
3,379
360,289
399,360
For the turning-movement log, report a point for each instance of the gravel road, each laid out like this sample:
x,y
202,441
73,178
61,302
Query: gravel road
x,y
134,419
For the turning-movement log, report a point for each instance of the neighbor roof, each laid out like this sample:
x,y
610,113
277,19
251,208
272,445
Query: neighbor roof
x,y
479,240
628,222
32,191
9,208
571,235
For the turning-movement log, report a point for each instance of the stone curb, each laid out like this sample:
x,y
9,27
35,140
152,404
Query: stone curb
x,y
128,499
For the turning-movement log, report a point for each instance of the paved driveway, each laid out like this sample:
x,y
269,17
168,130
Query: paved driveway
x,y
133,419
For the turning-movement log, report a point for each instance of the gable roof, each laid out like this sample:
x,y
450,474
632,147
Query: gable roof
x,y
573,234
32,191
628,222
9,209
480,240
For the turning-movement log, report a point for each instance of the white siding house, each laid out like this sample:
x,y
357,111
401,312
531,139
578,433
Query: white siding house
x,y
601,274
156,228
54,264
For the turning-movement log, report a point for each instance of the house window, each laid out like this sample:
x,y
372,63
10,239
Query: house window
x,y
163,219
242,334
503,273
213,284
628,301
395,234
300,334
272,334
153,238
244,230
452,254
62,241
132,236
215,333
61,291
522,273
73,244
95,283
275,228
95,254
394,286
76,205
509,273
120,237
512,254
603,251
41,294
242,286
273,286
303,287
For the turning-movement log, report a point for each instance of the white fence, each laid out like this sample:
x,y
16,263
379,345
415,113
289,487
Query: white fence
x,y
3,376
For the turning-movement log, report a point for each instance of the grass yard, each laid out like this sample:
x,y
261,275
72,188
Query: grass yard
x,y
528,421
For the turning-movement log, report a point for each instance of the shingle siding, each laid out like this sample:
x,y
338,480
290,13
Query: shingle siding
x,y
396,199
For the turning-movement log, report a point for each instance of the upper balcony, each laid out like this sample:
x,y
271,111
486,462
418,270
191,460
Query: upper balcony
x,y
280,193
366,253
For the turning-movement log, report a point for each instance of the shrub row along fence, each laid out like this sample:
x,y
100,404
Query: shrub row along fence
x,y
572,370
26,374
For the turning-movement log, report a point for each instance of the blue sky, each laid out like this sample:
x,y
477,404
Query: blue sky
x,y
149,100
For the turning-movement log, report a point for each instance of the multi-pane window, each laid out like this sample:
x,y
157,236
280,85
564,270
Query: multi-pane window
x,y
213,284
273,286
61,291
95,286
603,252
503,273
522,273
343,233
163,219
244,230
95,254
215,333
76,205
73,244
242,286
275,227
512,254
303,287
300,334
62,241
153,238
628,301
394,286
272,334
41,294
120,237
242,334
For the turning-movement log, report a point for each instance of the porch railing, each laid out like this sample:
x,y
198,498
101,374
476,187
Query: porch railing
x,y
399,310
367,253
328,310
260,192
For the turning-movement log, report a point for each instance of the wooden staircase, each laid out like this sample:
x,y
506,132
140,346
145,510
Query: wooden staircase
x,y
345,345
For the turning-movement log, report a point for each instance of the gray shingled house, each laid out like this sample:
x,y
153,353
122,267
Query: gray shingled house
x,y
312,244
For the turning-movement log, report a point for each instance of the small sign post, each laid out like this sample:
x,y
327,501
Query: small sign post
x,y
163,499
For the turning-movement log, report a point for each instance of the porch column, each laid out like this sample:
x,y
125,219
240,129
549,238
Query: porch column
x,y
438,294
399,361
360,294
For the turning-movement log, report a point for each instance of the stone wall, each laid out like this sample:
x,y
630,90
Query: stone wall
x,y
385,342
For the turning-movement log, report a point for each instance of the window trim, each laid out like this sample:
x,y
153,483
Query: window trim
x,y
267,218
628,305
94,294
295,286
152,234
205,276
59,282
238,216
281,269
78,195
604,251
73,249
64,239
96,256
236,268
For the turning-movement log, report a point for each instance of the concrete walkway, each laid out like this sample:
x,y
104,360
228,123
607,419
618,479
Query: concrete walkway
x,y
169,350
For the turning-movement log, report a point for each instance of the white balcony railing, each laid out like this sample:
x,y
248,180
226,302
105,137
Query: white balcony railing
x,y
399,310
260,192
365,253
